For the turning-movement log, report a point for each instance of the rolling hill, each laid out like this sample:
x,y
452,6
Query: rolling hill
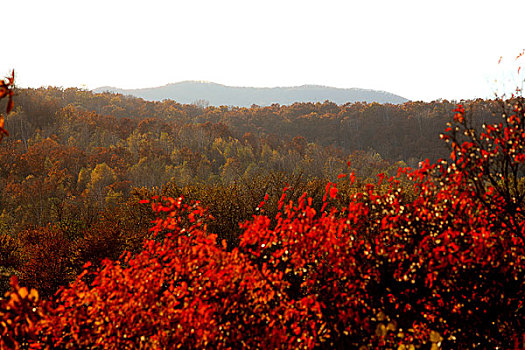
x,y
217,94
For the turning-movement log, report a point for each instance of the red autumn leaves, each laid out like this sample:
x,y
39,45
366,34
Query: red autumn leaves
x,y
433,257
6,90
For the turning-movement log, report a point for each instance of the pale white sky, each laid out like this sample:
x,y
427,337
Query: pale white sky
x,y
421,50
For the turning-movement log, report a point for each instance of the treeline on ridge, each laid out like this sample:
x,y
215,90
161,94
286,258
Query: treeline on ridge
x,y
79,163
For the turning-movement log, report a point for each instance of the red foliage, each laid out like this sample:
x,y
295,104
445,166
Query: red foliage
x,y
20,312
184,289
6,90
441,264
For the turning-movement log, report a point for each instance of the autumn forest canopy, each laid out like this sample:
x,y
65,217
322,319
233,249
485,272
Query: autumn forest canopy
x,y
127,224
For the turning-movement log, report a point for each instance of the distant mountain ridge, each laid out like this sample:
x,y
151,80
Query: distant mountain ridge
x,y
222,95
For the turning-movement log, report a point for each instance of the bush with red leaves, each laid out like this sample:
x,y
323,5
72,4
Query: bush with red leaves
x,y
440,263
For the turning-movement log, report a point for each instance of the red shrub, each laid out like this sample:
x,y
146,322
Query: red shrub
x,y
439,264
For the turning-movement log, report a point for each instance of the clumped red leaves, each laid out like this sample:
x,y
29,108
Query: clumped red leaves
x,y
6,90
438,263
21,310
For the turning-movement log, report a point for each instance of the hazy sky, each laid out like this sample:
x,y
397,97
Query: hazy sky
x,y
421,50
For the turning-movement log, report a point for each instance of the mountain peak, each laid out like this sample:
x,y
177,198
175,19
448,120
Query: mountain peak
x,y
190,91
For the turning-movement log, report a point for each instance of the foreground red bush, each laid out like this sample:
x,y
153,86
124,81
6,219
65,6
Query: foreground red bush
x,y
439,262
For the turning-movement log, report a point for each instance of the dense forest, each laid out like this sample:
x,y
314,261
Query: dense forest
x,y
136,224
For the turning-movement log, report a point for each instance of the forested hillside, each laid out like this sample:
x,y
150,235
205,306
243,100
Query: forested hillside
x,y
298,226
77,158
408,132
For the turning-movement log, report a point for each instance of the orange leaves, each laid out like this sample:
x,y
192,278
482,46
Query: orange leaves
x,y
183,290
459,114
3,132
305,280
6,87
20,313
6,90
401,263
